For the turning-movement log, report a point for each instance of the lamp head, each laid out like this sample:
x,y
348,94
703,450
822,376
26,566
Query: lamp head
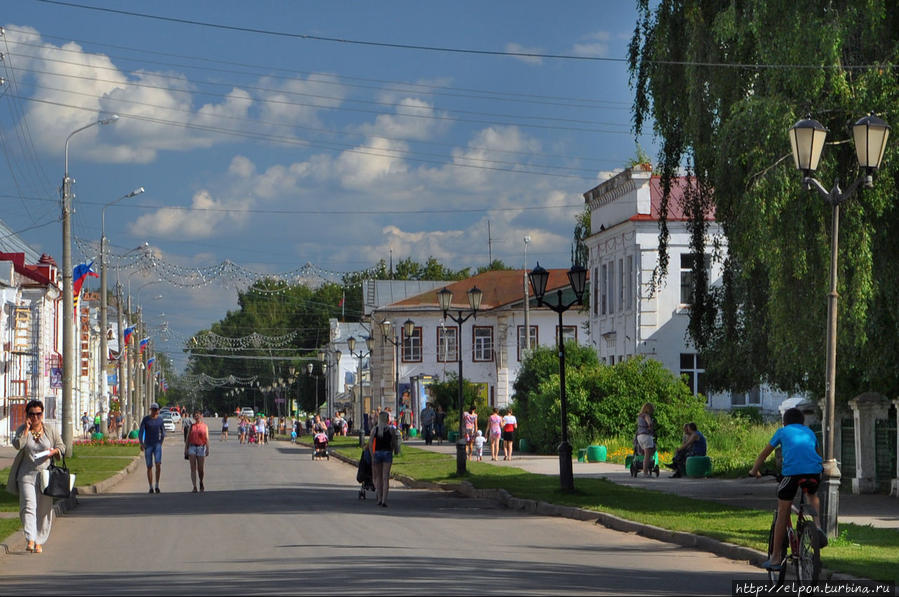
x,y
309,368
870,134
807,140
351,343
385,328
577,277
109,120
539,278
445,297
369,343
475,295
409,327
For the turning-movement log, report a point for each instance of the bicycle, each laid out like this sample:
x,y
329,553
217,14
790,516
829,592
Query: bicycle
x,y
804,554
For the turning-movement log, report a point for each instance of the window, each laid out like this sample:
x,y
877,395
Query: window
x,y
612,360
412,346
602,290
447,344
521,342
595,290
629,283
692,366
687,284
621,285
483,343
611,287
569,332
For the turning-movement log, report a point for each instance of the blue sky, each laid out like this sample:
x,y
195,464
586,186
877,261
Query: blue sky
x,y
272,151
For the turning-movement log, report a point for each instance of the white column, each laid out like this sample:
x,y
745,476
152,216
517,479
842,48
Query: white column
x,y
866,409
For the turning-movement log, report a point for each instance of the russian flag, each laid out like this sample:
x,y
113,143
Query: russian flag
x,y
144,343
128,332
150,362
80,274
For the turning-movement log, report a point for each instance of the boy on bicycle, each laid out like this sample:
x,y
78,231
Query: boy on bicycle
x,y
801,468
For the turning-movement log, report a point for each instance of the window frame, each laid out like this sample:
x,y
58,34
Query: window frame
x,y
418,333
566,327
476,349
535,338
453,349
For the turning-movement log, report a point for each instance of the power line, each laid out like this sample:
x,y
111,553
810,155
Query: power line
x,y
308,36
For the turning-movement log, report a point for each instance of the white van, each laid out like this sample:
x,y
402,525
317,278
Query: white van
x,y
247,411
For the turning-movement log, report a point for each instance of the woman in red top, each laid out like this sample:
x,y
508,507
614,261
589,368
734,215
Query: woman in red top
x,y
196,449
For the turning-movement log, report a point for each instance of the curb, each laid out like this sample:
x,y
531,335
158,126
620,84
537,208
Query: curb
x,y
723,549
16,541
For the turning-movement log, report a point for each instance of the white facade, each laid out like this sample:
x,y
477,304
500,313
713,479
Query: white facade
x,y
491,351
626,317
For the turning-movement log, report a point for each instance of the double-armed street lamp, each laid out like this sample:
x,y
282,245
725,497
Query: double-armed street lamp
x,y
445,297
68,301
104,324
807,140
577,277
392,338
351,344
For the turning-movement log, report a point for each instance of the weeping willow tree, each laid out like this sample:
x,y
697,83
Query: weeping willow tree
x,y
722,81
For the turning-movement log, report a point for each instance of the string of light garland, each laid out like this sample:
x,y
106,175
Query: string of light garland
x,y
204,381
256,341
226,273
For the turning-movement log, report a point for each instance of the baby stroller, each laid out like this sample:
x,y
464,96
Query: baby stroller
x,y
637,460
320,443
252,436
363,475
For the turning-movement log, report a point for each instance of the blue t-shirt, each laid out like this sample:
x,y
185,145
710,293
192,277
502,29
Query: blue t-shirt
x,y
152,431
699,446
799,449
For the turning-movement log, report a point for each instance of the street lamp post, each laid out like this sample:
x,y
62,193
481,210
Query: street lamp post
x,y
386,329
445,296
351,344
807,140
68,301
577,277
104,324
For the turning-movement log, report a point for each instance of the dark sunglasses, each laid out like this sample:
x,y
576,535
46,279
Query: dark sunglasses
x,y
36,413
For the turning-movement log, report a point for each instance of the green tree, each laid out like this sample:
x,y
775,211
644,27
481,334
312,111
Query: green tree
x,y
497,265
721,81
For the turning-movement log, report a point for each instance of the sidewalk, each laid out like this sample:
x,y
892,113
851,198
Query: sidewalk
x,y
878,510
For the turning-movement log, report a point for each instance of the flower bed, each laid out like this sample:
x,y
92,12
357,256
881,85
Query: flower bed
x,y
107,442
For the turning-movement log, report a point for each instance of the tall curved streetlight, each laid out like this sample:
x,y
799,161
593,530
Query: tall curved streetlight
x,y
104,324
445,297
68,301
807,138
577,278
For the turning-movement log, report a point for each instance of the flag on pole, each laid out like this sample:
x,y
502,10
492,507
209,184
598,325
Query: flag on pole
x,y
150,362
81,273
128,332
144,344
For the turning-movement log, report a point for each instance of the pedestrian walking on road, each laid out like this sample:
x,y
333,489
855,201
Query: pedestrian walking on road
x,y
383,444
510,424
224,436
86,425
440,424
37,445
428,416
470,421
494,433
151,434
196,448
260,430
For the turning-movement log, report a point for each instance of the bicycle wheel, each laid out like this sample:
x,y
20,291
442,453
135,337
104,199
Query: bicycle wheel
x,y
808,568
776,577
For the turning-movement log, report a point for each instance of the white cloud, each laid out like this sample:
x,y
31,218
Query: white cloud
x,y
414,119
298,101
594,45
205,218
520,49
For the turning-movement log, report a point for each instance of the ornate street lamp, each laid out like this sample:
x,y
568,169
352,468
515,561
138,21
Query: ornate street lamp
x,y
387,335
351,344
577,278
807,140
445,298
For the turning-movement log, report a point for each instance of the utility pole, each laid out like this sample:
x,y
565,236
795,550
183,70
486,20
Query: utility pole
x,y
124,403
527,300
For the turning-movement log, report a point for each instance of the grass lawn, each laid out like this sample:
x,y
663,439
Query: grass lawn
x,y
861,551
91,464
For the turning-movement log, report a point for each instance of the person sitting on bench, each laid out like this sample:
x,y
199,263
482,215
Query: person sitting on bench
x,y
694,445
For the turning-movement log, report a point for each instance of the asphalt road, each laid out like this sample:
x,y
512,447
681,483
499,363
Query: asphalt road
x,y
272,521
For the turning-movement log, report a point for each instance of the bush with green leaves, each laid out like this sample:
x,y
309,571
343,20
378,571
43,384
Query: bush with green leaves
x,y
446,394
603,401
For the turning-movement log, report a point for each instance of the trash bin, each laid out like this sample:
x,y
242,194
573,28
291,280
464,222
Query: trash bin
x,y
596,454
413,432
699,466
582,455
524,445
96,435
133,434
453,437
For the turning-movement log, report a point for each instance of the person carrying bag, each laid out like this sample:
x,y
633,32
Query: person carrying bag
x,y
38,444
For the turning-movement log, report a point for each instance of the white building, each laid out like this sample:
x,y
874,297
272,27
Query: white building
x,y
626,317
492,344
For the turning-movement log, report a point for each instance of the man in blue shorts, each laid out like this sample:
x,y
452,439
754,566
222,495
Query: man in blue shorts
x,y
801,468
151,435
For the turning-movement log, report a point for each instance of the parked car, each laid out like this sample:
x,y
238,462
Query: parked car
x,y
168,422
247,412
176,418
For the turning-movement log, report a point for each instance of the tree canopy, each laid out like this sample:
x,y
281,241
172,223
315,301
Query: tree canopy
x,y
722,81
